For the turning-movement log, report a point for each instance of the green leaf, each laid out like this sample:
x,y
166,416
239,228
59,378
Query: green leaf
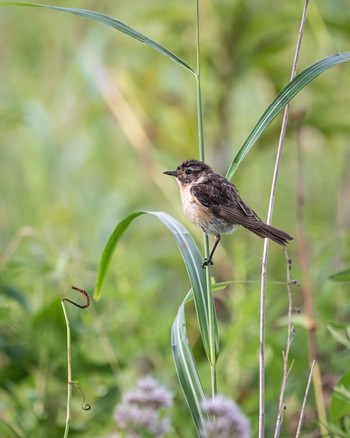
x,y
186,368
105,19
191,257
341,276
339,405
281,100
185,364
108,252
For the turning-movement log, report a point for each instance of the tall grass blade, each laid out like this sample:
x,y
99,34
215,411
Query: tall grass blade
x,y
105,19
185,364
186,368
191,257
108,252
281,100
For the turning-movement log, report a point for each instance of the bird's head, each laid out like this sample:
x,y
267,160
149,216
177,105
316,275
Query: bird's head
x,y
189,171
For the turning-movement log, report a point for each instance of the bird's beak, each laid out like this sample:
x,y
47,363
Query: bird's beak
x,y
170,172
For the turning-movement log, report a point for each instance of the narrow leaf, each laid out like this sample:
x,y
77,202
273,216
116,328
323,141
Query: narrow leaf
x,y
191,257
186,368
109,250
185,364
341,276
105,19
281,100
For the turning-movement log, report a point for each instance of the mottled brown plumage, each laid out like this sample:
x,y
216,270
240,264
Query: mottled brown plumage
x,y
211,202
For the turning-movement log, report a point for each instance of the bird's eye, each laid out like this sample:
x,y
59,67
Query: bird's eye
x,y
188,171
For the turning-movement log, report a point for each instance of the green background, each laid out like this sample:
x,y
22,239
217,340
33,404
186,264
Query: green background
x,y
89,119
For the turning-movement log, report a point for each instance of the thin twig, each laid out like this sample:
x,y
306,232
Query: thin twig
x,y
266,243
84,406
290,337
69,363
301,418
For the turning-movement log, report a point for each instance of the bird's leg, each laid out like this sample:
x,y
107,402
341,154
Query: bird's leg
x,y
208,261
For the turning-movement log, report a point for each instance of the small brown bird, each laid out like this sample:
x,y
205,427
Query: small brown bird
x,y
212,203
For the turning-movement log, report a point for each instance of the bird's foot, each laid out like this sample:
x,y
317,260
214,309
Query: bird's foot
x,y
206,262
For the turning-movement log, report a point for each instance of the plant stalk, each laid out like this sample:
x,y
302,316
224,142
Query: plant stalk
x,y
290,336
69,362
301,418
211,318
69,374
266,242
199,89
210,298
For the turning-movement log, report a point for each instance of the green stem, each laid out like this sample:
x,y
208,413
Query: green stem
x,y
200,119
211,319
214,388
210,298
69,374
199,90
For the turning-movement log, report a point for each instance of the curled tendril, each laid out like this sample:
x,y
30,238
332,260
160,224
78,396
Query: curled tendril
x,y
86,295
84,406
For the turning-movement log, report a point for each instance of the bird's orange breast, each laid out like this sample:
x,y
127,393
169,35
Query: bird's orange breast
x,y
193,209
202,216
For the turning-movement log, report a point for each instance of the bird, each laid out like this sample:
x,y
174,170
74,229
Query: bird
x,y
213,203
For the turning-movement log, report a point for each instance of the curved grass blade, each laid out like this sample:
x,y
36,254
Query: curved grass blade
x,y
108,252
185,364
105,19
191,257
186,368
281,100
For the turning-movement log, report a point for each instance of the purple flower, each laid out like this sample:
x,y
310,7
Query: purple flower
x,y
227,420
138,413
149,393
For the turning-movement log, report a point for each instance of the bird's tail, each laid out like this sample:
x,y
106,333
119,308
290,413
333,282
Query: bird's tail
x,y
266,231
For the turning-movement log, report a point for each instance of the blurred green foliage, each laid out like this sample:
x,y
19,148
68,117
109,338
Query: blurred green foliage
x,y
88,120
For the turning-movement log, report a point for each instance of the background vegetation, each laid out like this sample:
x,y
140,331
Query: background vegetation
x,y
89,119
